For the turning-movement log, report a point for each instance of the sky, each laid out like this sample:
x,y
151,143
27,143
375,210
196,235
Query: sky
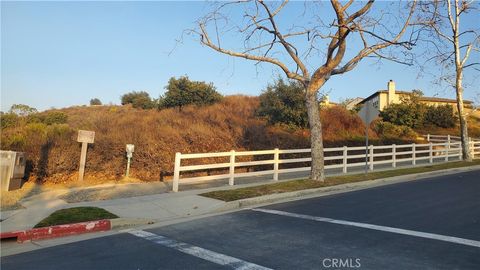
x,y
61,54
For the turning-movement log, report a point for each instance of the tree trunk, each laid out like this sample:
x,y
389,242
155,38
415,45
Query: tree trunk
x,y
316,141
458,82
462,117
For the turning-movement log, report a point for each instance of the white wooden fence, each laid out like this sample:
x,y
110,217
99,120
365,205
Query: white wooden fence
x,y
441,138
474,142
340,158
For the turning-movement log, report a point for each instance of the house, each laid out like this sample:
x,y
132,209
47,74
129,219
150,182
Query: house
x,y
325,102
383,98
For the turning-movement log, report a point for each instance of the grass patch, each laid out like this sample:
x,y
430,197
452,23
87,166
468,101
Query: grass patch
x,y
288,186
74,215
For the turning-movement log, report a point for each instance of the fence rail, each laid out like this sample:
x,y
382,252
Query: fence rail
x,y
342,158
474,142
441,138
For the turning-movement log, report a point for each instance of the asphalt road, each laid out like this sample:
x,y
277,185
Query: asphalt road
x,y
426,224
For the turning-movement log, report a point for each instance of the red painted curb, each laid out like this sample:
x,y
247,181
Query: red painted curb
x,y
59,230
7,235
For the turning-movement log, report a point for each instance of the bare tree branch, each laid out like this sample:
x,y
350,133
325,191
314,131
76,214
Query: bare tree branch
x,y
206,41
266,40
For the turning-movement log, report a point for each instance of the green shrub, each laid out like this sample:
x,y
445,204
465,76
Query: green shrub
x,y
58,131
35,118
8,120
140,100
391,131
183,91
15,142
284,103
404,114
55,118
36,133
414,114
440,116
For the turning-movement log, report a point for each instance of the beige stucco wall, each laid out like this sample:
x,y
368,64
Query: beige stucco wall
x,y
383,98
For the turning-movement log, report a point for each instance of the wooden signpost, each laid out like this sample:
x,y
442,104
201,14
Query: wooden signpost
x,y
85,137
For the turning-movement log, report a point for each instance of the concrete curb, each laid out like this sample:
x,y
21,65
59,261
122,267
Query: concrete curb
x,y
324,191
73,229
122,223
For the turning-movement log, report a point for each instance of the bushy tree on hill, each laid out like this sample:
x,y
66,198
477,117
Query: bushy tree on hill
x,y
22,109
95,101
139,99
183,91
284,103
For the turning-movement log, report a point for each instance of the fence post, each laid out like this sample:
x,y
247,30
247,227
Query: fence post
x,y
469,144
447,149
460,150
475,147
394,155
371,157
428,137
448,138
276,158
414,162
430,148
345,160
472,148
176,172
231,179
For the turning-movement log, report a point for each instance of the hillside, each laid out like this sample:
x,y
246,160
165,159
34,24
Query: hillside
x,y
53,153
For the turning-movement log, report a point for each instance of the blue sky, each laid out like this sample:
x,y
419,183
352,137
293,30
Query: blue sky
x,y
59,54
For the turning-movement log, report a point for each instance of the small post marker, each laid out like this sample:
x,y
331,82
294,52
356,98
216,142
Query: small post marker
x,y
176,171
130,148
85,137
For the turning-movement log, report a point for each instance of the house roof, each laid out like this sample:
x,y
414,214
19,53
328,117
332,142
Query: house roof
x,y
433,99
355,100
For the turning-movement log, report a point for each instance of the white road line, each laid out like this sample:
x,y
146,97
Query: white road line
x,y
198,252
451,239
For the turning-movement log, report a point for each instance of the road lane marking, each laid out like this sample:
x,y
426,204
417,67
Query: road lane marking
x,y
451,239
198,252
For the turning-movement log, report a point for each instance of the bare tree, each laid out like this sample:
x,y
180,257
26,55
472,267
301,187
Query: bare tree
x,y
452,48
309,50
